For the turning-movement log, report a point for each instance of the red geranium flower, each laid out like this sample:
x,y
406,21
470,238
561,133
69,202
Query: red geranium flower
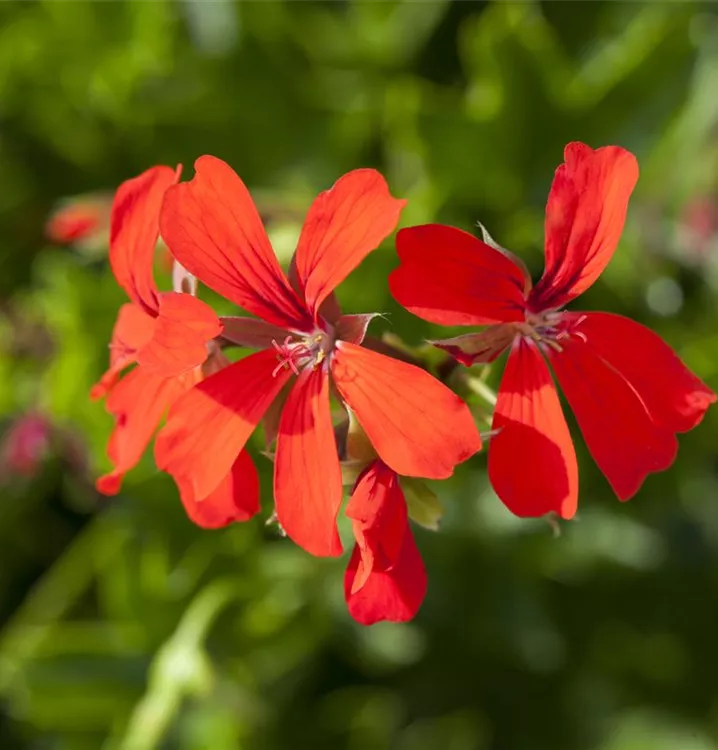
x,y
629,391
417,425
80,220
170,336
385,579
164,332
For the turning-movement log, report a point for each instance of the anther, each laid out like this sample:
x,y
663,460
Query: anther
x,y
553,344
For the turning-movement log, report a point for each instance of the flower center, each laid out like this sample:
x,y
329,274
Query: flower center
x,y
546,328
297,353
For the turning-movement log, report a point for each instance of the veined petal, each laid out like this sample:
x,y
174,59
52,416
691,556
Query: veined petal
x,y
344,224
137,402
212,228
395,594
624,441
133,329
209,425
673,395
236,497
307,477
585,215
450,277
472,348
416,424
379,519
532,462
330,309
134,229
183,329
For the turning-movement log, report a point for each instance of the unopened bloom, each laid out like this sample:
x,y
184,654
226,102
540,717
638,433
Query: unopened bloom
x,y
170,336
629,391
417,426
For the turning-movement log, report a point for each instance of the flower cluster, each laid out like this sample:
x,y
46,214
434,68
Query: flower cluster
x,y
629,391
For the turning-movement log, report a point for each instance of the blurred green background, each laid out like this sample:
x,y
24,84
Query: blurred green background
x,y
122,626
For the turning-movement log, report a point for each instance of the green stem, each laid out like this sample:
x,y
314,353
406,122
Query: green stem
x,y
477,386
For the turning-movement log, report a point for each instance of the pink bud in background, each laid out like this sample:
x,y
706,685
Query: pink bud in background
x,y
25,445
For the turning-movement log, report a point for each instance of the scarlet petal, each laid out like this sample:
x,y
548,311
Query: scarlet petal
x,y
343,226
213,229
133,329
330,309
450,277
532,462
624,441
307,476
416,424
184,327
209,425
673,395
134,229
236,497
395,594
379,518
137,402
478,347
585,214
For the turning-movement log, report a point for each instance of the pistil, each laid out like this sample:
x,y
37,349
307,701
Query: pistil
x,y
309,351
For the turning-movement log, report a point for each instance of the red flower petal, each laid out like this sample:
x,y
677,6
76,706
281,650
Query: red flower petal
x,y
674,396
213,229
344,224
209,425
133,329
478,347
236,497
307,477
134,231
395,594
450,277
585,214
138,403
184,327
416,424
271,418
532,462
624,441
330,309
379,519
